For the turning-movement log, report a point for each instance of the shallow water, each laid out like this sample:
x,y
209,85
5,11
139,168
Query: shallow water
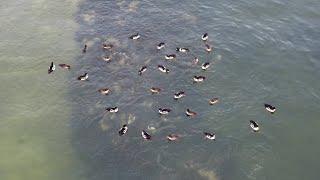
x,y
53,126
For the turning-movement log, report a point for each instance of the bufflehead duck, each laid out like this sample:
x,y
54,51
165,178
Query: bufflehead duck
x,y
135,36
104,91
190,113
184,50
123,130
205,36
83,77
112,109
213,101
164,111
163,69
106,58
142,70
205,66
170,56
145,135
198,78
179,95
210,136
270,108
254,126
161,45
172,137
208,48
155,90
52,67
107,46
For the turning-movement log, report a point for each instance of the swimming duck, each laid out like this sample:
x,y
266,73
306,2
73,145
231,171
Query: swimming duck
x,y
83,77
164,111
184,50
107,46
145,135
52,67
163,69
142,70
106,58
104,91
112,109
213,101
210,136
65,66
170,56
208,48
254,126
190,113
155,90
179,95
270,108
172,137
161,45
84,50
205,66
205,36
135,36
198,78
123,130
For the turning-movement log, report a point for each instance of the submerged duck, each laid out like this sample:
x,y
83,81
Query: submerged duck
x,y
205,36
172,137
210,136
179,95
145,135
184,50
84,50
135,36
107,46
195,60
270,108
163,69
213,101
104,91
198,78
254,126
83,77
106,58
155,90
112,109
142,70
65,66
164,111
190,113
208,48
52,67
161,45
123,130
170,56
205,66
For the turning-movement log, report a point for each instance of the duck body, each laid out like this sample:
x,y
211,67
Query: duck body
x,y
112,109
122,131
210,136
205,66
104,91
183,50
172,137
190,113
198,79
179,95
163,69
83,77
205,37
142,70
107,46
164,111
135,36
155,90
270,108
65,66
145,135
213,101
160,45
170,56
254,126
52,67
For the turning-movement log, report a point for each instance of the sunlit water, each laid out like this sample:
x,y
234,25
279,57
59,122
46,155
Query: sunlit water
x,y
55,127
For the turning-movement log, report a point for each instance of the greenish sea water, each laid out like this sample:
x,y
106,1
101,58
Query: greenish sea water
x,y
54,127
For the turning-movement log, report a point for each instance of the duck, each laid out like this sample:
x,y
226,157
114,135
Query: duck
x,y
183,50
142,70
84,50
161,45
205,37
205,66
52,67
123,130
65,66
170,56
145,135
254,126
107,46
135,36
163,69
172,137
213,101
112,109
104,91
210,136
190,113
208,48
106,58
270,108
164,111
83,77
155,90
179,95
198,79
